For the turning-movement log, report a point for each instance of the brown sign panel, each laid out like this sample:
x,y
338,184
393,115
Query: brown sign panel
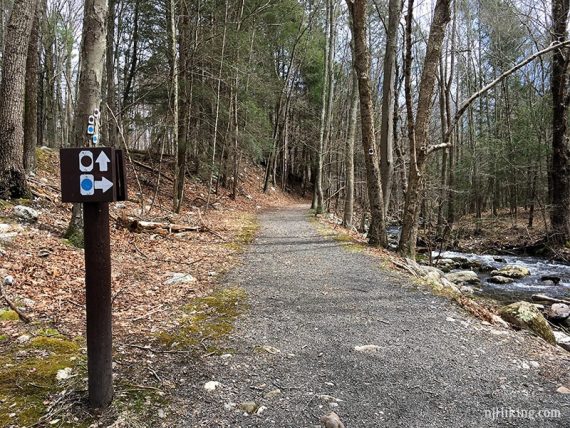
x,y
92,174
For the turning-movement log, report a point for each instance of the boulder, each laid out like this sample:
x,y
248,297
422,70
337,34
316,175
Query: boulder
x,y
526,315
26,214
558,312
500,279
463,277
512,271
562,340
467,289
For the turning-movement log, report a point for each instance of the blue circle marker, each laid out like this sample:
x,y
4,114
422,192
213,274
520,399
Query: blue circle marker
x,y
86,184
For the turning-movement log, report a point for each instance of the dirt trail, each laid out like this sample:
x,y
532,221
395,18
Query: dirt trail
x,y
315,301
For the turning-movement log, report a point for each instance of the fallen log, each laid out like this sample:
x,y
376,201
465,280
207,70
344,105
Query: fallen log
x,y
548,299
136,225
153,170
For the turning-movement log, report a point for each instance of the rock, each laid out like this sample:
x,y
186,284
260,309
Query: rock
x,y
432,276
463,277
444,262
26,214
331,421
179,278
327,398
499,260
230,406
64,374
368,349
436,271
563,390
161,414
249,407
498,320
272,394
512,271
211,385
24,338
558,312
260,410
466,289
271,349
500,279
8,280
562,340
526,315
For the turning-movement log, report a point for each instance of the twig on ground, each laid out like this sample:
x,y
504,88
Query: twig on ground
x,y
22,316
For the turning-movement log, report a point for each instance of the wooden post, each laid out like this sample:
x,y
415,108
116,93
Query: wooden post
x,y
98,302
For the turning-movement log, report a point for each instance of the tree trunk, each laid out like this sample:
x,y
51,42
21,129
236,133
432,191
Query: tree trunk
x,y
559,175
31,107
324,110
12,93
377,230
181,153
419,141
111,94
92,58
349,153
387,126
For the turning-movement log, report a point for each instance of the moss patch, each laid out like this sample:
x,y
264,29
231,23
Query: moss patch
x,y
28,378
8,315
245,236
208,320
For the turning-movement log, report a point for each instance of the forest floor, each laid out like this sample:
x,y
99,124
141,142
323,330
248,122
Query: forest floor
x,y
312,302
159,278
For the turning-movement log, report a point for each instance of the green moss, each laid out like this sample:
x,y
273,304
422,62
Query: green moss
x,y
54,344
245,236
49,332
5,204
3,337
28,377
8,315
75,237
208,320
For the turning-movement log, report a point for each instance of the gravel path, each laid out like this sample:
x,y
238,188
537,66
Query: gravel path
x,y
314,301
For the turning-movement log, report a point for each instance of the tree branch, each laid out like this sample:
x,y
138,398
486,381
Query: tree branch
x,y
465,105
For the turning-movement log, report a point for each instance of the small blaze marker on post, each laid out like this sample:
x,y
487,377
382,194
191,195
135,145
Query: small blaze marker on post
x,y
95,176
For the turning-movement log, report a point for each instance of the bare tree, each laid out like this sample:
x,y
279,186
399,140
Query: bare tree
x,y
377,230
388,98
418,129
92,59
559,177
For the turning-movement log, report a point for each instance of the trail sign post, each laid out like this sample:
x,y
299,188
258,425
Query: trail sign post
x,y
95,176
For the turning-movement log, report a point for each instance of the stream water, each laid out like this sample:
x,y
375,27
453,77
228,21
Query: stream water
x,y
522,288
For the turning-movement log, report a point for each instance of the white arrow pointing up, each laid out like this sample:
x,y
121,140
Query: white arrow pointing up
x,y
103,161
103,184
